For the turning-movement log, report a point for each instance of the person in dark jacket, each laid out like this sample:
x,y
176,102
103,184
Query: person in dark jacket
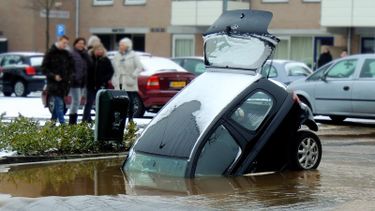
x,y
79,77
58,66
324,57
98,77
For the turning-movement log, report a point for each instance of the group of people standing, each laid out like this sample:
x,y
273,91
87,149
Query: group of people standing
x,y
84,70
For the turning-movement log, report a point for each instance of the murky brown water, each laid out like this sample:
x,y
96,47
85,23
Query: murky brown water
x,y
345,180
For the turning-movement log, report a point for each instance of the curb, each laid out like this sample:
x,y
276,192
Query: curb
x,y
58,158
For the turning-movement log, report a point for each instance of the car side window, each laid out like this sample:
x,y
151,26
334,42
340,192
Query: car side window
x,y
368,69
218,154
195,65
342,69
269,70
317,75
253,110
297,70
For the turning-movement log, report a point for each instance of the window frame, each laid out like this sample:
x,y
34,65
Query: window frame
x,y
182,36
135,2
275,1
102,2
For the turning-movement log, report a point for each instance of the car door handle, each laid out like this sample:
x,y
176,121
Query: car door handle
x,y
346,88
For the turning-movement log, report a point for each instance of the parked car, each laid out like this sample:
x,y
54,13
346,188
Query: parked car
x,y
341,88
158,83
285,71
231,120
193,64
20,73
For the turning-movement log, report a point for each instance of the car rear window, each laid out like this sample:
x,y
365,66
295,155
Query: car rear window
x,y
36,61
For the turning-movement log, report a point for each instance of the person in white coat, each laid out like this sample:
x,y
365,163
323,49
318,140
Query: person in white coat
x,y
127,69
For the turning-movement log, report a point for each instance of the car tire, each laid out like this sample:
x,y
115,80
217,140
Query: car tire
x,y
7,94
51,103
337,119
19,89
139,108
306,151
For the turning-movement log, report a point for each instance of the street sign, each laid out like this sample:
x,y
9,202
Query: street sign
x,y
60,30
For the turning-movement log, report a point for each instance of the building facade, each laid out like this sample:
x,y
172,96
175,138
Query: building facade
x,y
174,27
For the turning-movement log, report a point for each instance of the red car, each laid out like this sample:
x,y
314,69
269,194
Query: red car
x,y
158,83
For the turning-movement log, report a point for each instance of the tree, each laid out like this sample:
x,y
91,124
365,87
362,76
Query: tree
x,y
46,6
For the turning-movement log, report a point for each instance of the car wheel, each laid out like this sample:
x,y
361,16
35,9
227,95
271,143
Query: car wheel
x,y
51,104
19,89
337,119
7,94
139,108
306,151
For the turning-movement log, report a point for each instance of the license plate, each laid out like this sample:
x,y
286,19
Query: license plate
x,y
177,84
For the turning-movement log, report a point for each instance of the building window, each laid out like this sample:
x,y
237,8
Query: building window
x,y
183,45
368,45
301,49
134,2
274,1
102,2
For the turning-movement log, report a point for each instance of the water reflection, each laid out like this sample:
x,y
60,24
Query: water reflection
x,y
100,177
271,190
104,177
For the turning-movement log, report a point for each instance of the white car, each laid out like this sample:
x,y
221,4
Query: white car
x,y
285,71
340,89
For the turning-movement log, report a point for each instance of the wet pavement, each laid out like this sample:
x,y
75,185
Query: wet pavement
x,y
343,181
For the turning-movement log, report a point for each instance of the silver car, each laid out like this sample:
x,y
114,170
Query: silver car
x,y
340,89
285,71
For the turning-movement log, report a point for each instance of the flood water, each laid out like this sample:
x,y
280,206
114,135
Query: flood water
x,y
344,181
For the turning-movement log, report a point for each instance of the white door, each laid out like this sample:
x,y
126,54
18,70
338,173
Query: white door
x,y
363,95
333,94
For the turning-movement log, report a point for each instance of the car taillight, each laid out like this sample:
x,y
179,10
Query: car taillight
x,y
30,70
153,83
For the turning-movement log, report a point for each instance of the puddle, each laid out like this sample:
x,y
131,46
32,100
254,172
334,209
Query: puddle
x,y
343,181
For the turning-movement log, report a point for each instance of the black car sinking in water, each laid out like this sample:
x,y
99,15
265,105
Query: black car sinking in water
x,y
231,120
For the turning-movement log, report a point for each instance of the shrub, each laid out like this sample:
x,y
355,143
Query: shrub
x,y
28,137
130,134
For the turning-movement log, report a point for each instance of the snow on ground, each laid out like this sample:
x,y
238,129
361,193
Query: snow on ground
x,y
32,107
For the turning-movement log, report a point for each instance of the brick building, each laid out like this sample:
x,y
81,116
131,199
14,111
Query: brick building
x,y
174,27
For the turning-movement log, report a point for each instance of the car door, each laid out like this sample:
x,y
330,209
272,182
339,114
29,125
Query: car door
x,y
333,92
363,99
236,136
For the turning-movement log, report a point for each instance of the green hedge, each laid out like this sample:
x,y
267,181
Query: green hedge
x,y
28,137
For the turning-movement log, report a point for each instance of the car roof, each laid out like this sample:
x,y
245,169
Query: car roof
x,y
153,64
195,108
23,53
